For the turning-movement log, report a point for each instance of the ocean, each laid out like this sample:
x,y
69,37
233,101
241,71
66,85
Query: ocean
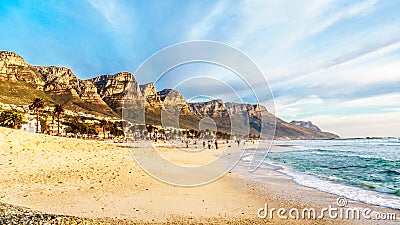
x,y
364,170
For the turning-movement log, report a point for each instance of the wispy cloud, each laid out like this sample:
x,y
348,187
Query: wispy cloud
x,y
348,59
115,14
202,27
322,57
106,8
380,101
352,11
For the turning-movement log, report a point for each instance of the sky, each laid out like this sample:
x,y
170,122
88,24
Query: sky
x,y
335,63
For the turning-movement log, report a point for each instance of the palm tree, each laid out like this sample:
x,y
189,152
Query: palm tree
x,y
11,119
37,105
104,125
115,131
52,120
58,110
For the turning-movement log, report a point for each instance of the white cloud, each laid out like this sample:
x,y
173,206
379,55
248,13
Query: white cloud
x,y
294,20
348,69
381,101
312,99
289,108
392,109
288,112
361,70
367,75
280,22
271,32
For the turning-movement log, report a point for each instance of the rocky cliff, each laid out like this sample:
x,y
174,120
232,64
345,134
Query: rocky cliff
x,y
61,79
174,101
118,89
249,118
149,92
59,84
117,94
13,68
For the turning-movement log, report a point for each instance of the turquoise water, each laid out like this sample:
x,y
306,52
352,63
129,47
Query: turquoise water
x,y
366,170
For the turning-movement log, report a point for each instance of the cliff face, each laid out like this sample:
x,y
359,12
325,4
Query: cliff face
x,y
148,89
174,101
59,83
249,118
235,117
117,84
120,93
58,78
213,109
123,94
13,68
250,109
118,89
217,109
149,92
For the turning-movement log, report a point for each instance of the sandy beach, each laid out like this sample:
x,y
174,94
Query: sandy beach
x,y
100,182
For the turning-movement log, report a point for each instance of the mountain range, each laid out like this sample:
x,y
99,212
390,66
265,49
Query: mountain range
x,y
105,95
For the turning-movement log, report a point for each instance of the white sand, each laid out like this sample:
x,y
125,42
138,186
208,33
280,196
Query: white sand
x,y
96,179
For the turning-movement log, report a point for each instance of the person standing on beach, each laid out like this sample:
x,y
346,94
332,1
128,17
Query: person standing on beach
x,y
187,144
204,144
209,144
216,144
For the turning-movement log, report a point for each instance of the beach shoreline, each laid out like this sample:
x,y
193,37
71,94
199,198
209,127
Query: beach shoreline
x,y
102,182
281,191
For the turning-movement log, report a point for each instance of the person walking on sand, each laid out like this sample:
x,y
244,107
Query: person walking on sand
x,y
187,144
204,144
209,144
216,144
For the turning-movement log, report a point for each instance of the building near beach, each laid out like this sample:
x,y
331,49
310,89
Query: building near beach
x,y
30,126
53,129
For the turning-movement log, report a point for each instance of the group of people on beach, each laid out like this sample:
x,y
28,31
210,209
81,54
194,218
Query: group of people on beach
x,y
209,143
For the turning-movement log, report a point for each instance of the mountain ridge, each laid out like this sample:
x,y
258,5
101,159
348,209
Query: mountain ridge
x,y
106,95
307,124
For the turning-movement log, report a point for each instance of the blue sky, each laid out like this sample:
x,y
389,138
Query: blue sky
x,y
336,63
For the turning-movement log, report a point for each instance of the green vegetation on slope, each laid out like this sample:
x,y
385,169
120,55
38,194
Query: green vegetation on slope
x,y
20,93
